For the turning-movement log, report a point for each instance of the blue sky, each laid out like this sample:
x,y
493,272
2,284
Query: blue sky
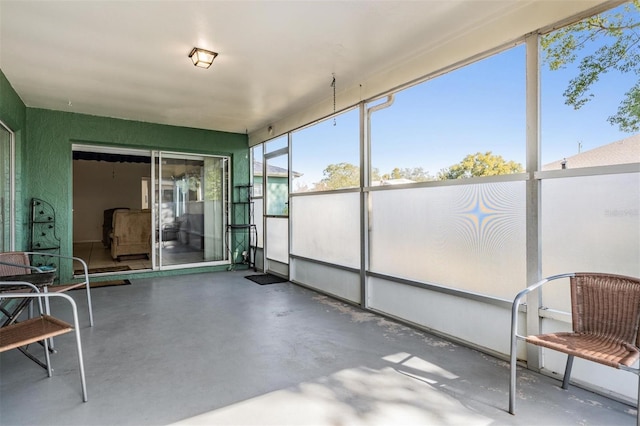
x,y
478,108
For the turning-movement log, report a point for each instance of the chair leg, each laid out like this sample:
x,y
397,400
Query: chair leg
x,y
638,404
47,357
47,310
567,372
87,287
83,380
512,376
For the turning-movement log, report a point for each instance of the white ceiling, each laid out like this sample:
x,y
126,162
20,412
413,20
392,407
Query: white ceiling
x,y
129,59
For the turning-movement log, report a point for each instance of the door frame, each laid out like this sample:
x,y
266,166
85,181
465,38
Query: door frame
x,y
155,155
10,191
272,265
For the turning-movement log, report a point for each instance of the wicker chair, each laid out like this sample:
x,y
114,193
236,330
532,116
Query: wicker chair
x,y
605,311
15,266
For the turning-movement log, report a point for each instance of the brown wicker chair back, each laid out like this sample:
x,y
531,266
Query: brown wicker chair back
x,y
606,305
9,261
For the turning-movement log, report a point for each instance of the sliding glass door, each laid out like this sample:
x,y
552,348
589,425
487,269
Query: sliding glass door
x,y
189,196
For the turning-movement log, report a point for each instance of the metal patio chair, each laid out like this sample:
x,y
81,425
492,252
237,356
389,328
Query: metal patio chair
x,y
605,314
17,265
18,335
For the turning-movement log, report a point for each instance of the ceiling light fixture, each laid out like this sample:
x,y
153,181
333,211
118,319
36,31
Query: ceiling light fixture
x,y
202,58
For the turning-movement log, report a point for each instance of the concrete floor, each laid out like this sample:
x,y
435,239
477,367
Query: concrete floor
x,y
218,349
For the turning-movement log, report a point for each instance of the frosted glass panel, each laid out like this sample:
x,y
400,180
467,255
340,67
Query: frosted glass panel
x,y
327,228
278,239
470,237
590,224
257,219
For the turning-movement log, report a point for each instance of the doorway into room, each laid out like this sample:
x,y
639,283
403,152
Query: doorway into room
x,y
140,210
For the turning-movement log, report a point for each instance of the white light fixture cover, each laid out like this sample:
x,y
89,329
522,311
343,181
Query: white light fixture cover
x,y
202,58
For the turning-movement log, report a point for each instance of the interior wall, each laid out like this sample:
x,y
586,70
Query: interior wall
x,y
100,185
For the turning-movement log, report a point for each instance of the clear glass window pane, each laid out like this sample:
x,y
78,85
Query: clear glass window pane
x,y
326,154
277,186
191,198
590,114
469,122
258,163
276,144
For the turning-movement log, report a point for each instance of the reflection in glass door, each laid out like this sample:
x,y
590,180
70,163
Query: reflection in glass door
x,y
6,197
190,198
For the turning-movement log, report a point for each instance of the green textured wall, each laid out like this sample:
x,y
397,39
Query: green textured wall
x,y
12,109
48,156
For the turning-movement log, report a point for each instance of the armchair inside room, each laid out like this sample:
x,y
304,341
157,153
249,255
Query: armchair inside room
x,y
131,233
107,225
16,266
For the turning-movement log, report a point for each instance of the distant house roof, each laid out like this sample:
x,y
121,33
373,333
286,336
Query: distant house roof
x,y
623,151
272,170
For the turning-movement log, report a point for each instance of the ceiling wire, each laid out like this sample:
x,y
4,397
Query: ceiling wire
x,y
333,84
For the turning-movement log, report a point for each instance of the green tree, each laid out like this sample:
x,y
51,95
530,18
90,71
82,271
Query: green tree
x,y
375,174
480,164
616,34
212,179
339,176
416,174
346,175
